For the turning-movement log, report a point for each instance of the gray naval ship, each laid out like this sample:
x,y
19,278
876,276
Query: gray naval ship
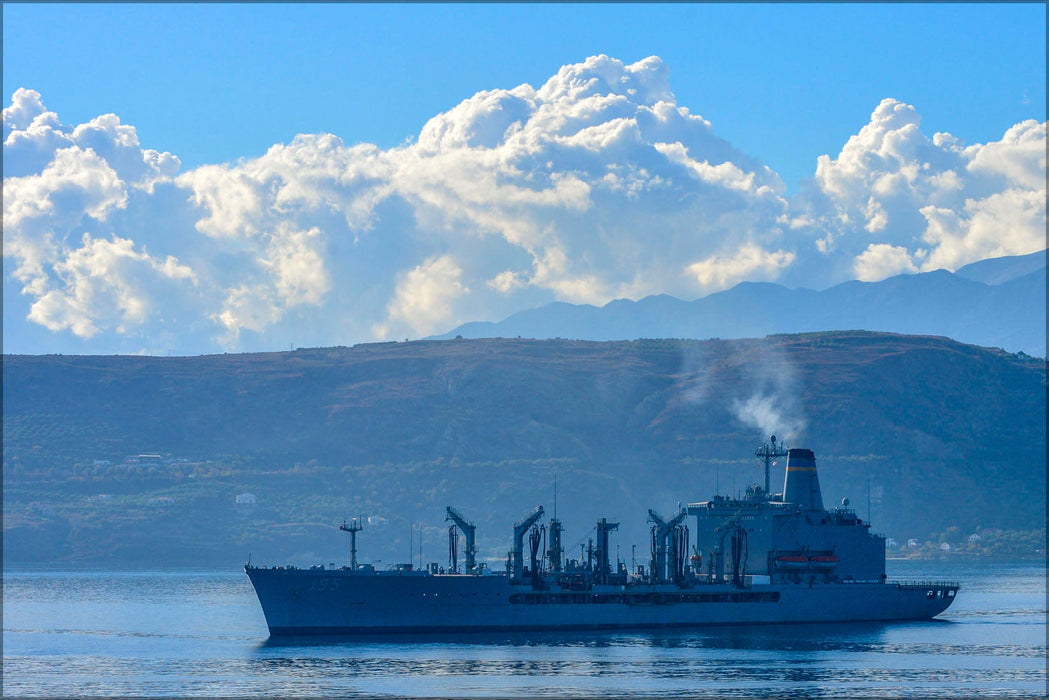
x,y
761,558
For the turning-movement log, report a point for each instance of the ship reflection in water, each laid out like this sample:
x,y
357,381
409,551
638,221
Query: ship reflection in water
x,y
762,559
916,659
812,637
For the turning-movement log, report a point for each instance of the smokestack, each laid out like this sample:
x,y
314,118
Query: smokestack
x,y
801,486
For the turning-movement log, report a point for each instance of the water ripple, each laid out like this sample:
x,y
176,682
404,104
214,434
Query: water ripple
x,y
190,635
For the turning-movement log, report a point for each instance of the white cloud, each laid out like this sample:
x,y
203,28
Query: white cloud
x,y
74,185
882,260
105,285
424,295
593,186
26,107
878,181
506,281
75,188
1005,223
231,198
727,174
749,263
1019,157
246,308
482,121
895,201
32,136
298,267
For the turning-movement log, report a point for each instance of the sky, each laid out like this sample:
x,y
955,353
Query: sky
x,y
182,179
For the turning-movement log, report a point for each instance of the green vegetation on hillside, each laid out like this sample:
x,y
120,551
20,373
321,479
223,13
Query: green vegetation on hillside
x,y
139,461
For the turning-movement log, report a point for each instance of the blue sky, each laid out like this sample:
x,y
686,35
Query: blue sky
x,y
785,83
201,177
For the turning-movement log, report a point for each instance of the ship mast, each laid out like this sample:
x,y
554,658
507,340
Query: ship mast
x,y
768,452
353,528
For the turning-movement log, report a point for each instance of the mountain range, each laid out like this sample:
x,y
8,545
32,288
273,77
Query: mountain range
x,y
999,302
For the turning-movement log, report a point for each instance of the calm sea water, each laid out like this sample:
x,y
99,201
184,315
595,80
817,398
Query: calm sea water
x,y
203,634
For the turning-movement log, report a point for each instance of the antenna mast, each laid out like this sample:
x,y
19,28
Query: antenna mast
x,y
353,528
768,452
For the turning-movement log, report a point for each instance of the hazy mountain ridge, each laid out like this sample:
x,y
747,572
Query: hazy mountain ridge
x,y
998,270
948,435
998,302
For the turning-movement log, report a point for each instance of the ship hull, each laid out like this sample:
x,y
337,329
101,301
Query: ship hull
x,y
298,602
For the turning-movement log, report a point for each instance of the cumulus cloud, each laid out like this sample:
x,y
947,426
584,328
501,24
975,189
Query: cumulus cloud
x,y
425,293
894,200
1019,158
882,260
750,263
75,185
33,135
592,186
63,188
247,307
104,281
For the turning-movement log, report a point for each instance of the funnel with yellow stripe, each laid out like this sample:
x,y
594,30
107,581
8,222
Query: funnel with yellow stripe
x,y
801,486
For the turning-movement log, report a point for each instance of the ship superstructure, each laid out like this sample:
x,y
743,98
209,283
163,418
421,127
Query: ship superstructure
x,y
762,558
788,536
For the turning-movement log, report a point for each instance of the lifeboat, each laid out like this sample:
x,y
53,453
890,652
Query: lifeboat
x,y
824,559
792,561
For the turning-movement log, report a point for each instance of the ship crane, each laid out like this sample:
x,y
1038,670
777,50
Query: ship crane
x,y
469,531
353,528
517,556
739,551
662,530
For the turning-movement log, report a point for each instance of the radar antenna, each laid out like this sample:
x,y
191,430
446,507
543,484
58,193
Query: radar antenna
x,y
768,452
